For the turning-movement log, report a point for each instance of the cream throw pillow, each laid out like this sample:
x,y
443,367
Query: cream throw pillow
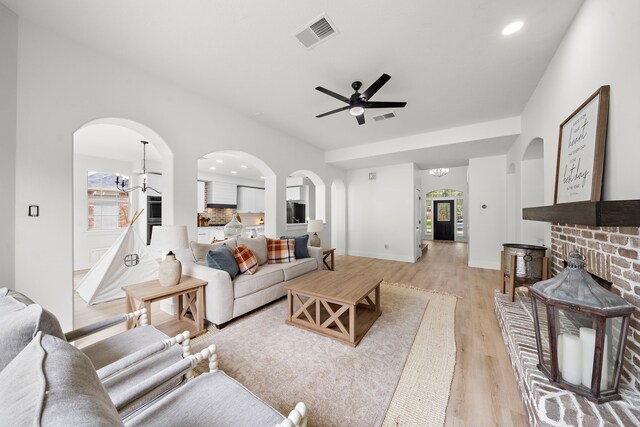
x,y
200,250
257,245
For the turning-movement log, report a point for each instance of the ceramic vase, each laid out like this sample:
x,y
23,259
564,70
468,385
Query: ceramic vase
x,y
169,270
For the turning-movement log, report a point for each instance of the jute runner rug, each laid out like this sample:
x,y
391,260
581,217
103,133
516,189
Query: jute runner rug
x,y
401,365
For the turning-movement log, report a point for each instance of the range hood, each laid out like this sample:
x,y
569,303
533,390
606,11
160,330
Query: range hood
x,y
222,206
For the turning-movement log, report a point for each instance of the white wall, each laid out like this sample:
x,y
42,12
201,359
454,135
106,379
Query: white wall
x,y
601,47
63,85
487,227
381,212
532,194
8,95
456,179
84,240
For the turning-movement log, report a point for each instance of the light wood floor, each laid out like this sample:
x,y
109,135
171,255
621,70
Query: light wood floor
x,y
484,390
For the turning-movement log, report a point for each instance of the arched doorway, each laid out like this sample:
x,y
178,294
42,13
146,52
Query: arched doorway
x,y
107,162
235,181
532,190
339,216
306,200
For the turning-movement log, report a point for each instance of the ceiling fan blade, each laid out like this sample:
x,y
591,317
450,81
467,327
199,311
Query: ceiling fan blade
x,y
337,110
360,119
384,104
376,86
333,94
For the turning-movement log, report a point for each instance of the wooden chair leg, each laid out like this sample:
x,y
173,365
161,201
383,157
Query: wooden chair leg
x,y
545,268
512,277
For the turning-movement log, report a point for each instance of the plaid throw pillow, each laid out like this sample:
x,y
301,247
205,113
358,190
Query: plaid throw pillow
x,y
247,261
280,251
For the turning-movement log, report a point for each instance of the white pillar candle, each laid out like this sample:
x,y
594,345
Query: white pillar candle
x,y
588,338
571,359
560,349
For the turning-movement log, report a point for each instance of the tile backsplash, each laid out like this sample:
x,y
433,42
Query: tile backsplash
x,y
223,216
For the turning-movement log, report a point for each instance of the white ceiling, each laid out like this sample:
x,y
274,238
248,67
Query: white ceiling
x,y
112,142
230,163
447,59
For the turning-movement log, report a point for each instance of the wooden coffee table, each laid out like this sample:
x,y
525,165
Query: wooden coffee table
x,y
342,306
190,296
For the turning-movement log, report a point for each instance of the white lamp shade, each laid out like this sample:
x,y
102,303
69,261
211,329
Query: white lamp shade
x,y
169,238
315,226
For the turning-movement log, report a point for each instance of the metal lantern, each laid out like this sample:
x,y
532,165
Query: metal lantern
x,y
581,332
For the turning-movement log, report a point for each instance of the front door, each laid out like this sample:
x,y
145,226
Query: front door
x,y
444,220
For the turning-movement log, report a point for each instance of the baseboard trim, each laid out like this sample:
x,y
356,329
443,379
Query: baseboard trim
x,y
390,257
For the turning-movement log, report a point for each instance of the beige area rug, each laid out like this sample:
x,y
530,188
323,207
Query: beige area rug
x,y
404,363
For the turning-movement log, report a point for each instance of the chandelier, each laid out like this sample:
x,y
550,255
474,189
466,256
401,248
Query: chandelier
x,y
121,184
439,172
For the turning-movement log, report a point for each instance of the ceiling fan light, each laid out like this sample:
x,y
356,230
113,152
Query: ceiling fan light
x,y
356,110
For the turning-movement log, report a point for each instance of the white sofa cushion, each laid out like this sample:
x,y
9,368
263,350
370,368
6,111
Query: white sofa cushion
x,y
267,275
299,267
211,399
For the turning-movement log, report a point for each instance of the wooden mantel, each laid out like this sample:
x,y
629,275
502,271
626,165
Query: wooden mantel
x,y
611,213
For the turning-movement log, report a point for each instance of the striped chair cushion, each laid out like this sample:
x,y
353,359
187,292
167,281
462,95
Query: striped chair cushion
x,y
280,251
247,261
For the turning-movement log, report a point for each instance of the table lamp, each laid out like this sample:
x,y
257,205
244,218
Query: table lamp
x,y
314,226
166,239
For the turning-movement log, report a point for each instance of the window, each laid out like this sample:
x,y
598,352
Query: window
x,y
428,223
459,217
108,208
444,193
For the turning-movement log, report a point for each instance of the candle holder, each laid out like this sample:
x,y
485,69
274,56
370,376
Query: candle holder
x,y
581,332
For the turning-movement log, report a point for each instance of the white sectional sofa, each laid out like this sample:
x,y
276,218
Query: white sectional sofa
x,y
226,299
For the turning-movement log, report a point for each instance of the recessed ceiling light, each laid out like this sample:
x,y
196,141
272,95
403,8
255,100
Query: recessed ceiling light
x,y
234,172
243,166
514,27
212,168
219,161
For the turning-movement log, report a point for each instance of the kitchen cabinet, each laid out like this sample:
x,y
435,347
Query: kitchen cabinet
x,y
295,193
201,197
207,234
222,193
203,235
250,200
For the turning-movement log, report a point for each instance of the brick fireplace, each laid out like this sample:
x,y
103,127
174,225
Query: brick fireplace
x,y
612,254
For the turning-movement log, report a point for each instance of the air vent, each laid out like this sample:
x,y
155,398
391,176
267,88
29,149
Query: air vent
x,y
384,117
319,30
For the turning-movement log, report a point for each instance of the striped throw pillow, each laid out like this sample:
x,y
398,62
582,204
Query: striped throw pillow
x,y
247,261
280,251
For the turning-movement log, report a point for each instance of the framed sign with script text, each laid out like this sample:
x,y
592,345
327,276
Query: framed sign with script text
x,y
581,151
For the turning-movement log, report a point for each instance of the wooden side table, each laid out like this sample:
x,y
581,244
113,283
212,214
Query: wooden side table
x,y
190,295
328,253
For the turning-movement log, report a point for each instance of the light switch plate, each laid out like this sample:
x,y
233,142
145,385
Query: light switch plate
x,y
34,210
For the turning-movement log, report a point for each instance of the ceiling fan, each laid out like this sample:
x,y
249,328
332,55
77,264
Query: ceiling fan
x,y
358,102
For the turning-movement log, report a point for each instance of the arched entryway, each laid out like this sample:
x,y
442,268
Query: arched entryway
x,y
250,183
110,165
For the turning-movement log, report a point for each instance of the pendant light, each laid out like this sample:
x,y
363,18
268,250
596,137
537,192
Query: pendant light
x,y
121,184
